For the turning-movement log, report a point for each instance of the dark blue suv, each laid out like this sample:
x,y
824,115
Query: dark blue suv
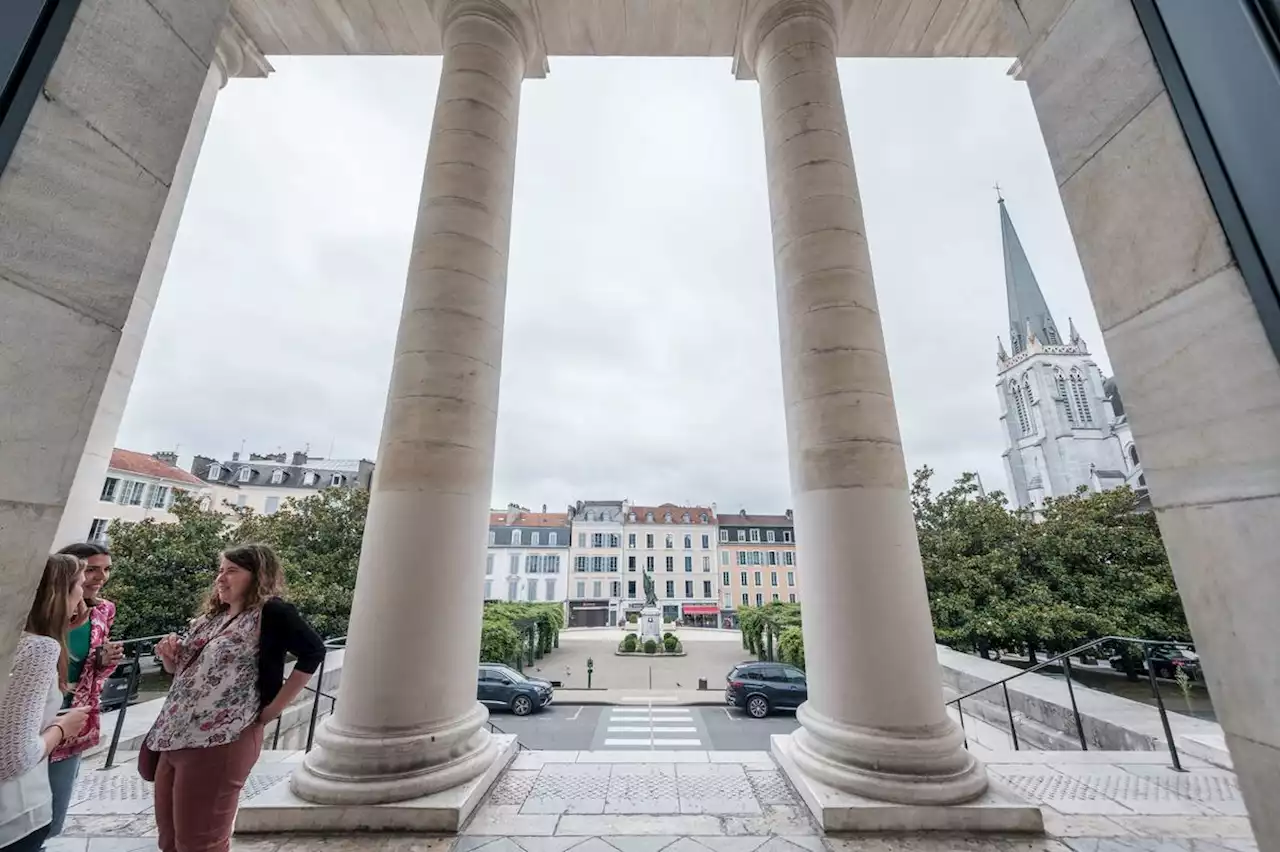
x,y
502,686
760,688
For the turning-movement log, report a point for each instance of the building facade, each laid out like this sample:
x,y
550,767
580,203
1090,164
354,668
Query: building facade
x,y
595,553
1064,424
677,546
263,482
140,486
528,558
757,560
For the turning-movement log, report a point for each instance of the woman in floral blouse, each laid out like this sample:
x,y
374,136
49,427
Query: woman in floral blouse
x,y
228,685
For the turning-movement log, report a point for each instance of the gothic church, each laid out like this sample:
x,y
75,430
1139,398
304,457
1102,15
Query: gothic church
x,y
1064,423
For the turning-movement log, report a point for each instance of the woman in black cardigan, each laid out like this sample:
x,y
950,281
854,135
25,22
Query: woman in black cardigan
x,y
228,685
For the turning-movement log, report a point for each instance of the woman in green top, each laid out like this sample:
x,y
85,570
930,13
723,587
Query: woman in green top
x,y
91,659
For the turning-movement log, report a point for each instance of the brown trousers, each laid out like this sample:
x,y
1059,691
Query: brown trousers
x,y
197,791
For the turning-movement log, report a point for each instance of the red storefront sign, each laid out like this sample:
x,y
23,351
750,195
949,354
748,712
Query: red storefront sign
x,y
693,609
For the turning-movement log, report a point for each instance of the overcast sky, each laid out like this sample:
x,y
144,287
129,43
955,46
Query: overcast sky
x,y
641,337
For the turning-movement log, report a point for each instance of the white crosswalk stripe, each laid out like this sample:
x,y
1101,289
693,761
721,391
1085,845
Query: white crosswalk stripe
x,y
651,727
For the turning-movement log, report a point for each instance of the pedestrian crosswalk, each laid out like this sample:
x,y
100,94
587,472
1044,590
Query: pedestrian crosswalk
x,y
651,727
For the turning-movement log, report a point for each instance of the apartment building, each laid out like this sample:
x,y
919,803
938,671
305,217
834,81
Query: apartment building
x,y
263,482
595,554
528,556
677,546
757,560
140,486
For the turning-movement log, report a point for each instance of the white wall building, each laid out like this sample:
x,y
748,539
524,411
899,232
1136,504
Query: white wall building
x,y
595,553
677,546
263,482
528,556
1064,423
140,486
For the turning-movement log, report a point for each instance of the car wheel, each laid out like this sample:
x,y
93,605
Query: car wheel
x,y
758,706
521,705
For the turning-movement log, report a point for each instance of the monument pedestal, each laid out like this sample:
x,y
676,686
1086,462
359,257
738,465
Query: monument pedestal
x,y
650,624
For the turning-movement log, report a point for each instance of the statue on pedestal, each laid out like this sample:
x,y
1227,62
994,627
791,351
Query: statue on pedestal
x,y
650,593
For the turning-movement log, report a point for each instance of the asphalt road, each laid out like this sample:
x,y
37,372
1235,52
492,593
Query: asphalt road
x,y
639,727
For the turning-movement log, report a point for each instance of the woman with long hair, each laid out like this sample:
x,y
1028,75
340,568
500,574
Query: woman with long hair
x,y
30,726
228,685
92,657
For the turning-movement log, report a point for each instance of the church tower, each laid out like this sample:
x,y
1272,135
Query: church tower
x,y
1063,422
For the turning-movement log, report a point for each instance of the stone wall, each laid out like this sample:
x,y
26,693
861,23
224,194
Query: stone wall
x,y
1042,712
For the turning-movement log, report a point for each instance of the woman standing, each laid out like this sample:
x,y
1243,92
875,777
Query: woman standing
x,y
30,727
229,670
91,660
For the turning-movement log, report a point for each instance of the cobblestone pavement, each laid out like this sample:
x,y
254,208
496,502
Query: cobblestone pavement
x,y
698,801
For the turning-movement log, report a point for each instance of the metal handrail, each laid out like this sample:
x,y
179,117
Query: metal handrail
x,y
1065,659
336,643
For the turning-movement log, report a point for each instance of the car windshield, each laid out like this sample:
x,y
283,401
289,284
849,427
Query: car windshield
x,y
509,672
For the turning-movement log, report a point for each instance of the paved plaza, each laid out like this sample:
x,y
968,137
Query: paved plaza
x,y
693,800
709,654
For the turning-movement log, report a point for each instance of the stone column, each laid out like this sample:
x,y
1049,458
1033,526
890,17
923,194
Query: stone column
x,y
235,56
80,199
874,724
408,723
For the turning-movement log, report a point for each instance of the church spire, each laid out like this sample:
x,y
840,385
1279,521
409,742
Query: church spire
x,y
1027,307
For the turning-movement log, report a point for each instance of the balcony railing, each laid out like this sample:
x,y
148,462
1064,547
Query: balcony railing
x,y
1065,660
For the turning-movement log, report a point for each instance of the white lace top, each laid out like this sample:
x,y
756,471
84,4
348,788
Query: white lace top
x,y
29,706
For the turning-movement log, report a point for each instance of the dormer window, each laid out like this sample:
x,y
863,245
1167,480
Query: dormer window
x,y
277,477
685,518
310,477
667,517
245,474
337,480
648,516
215,472
632,517
589,516
702,519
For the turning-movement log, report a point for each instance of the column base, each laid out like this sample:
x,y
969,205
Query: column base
x,y
931,767
996,810
278,810
359,768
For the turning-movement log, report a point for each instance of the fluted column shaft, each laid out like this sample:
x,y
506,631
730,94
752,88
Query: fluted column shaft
x,y
408,723
874,724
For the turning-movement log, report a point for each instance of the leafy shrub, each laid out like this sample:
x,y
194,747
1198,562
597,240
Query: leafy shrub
x,y
668,635
629,643
650,646
669,644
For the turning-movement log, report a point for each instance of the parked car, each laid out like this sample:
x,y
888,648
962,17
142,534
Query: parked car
x,y
1165,660
502,686
115,692
761,688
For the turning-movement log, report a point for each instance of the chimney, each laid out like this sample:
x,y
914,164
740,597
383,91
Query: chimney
x,y
235,456
299,458
742,512
789,518
167,456
544,508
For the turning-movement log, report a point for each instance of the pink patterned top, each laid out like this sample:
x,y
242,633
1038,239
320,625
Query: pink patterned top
x,y
93,677
214,696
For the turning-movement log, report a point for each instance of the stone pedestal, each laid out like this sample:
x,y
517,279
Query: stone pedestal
x,y
408,724
650,624
874,725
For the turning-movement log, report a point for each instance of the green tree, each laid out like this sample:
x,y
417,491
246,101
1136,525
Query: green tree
x,y
318,540
161,572
1088,565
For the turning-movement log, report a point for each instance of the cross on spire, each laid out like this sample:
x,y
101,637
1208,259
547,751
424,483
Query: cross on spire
x,y
999,195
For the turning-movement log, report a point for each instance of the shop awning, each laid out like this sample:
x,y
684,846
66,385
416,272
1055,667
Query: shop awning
x,y
695,609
